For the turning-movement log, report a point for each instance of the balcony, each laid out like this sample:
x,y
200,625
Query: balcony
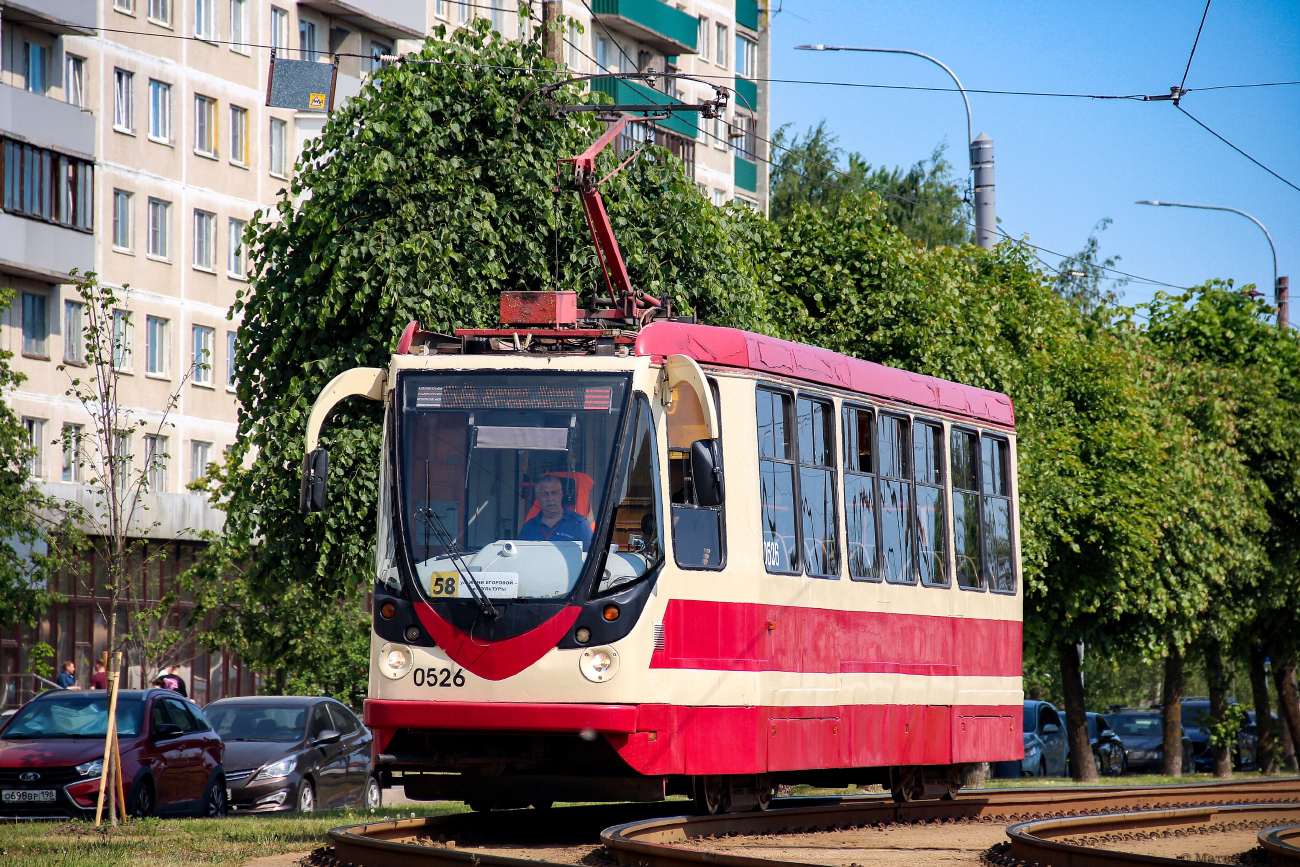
x,y
747,13
46,251
746,174
62,17
656,25
47,122
396,19
746,94
626,93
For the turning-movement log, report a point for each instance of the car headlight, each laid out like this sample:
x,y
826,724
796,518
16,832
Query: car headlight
x,y
598,664
394,660
282,768
93,768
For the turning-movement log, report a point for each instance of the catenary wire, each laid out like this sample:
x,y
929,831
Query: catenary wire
x,y
1237,149
1194,44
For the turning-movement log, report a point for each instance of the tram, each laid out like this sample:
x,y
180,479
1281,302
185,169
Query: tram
x,y
768,563
622,555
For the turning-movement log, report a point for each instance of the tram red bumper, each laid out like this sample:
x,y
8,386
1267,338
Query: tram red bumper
x,y
384,718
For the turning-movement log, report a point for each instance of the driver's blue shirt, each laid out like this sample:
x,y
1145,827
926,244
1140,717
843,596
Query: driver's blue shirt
x,y
572,527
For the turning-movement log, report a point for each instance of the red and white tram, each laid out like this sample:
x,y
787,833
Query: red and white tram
x,y
689,559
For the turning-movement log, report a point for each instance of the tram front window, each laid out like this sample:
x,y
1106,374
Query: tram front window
x,y
504,476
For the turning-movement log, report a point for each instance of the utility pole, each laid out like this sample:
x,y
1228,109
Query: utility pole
x,y
552,36
1283,302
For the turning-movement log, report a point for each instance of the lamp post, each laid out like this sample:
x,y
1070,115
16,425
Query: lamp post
x,y
1283,315
981,149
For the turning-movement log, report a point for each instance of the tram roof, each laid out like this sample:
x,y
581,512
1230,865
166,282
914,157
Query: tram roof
x,y
731,347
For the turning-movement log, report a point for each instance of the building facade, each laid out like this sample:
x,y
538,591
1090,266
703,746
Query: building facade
x,y
135,142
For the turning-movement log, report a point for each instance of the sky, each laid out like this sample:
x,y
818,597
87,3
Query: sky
x,y
1064,164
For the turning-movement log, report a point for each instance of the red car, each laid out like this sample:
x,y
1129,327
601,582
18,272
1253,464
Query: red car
x,y
52,751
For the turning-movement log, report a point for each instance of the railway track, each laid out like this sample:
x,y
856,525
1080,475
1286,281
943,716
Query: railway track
x,y
1079,827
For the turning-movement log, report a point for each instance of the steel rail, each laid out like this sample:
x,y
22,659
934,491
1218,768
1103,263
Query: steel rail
x,y
1035,842
650,835
1281,844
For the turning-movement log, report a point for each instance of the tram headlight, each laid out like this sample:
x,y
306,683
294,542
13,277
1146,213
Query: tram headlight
x,y
394,660
598,664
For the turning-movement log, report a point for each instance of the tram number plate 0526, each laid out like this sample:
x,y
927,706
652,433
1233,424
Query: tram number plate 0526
x,y
28,796
438,677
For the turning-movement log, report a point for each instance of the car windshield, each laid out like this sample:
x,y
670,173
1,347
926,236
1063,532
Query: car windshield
x,y
258,722
1031,718
1196,714
504,476
1136,724
75,716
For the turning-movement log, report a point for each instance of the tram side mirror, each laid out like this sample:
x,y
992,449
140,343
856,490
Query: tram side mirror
x,y
315,469
706,472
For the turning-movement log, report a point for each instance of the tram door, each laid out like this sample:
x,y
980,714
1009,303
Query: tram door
x,y
696,529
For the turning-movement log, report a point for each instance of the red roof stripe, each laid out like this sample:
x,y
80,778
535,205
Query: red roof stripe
x,y
731,347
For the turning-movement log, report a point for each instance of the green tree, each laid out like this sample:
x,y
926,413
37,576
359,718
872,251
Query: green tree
x,y
925,202
423,198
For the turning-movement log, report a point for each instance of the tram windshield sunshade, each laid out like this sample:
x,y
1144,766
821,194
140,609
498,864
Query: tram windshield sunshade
x,y
552,439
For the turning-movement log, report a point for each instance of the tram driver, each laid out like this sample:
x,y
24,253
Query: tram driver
x,y
555,522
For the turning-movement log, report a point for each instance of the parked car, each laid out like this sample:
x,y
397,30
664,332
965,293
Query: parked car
x,y
52,751
1107,746
294,753
1142,732
1046,750
1196,720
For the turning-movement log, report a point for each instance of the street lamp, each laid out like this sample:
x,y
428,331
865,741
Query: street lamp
x,y
1282,314
981,149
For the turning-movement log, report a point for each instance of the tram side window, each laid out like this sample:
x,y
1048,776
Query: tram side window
x,y
776,466
896,500
966,507
931,532
860,493
697,530
817,516
996,478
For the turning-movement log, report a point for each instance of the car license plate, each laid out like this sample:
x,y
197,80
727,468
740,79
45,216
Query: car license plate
x,y
27,796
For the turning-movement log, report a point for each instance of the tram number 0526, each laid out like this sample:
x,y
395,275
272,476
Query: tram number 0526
x,y
438,677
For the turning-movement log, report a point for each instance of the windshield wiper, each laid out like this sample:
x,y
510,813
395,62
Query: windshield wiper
x,y
448,543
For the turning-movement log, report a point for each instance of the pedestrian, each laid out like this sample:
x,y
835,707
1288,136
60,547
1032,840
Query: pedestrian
x,y
168,678
68,677
99,680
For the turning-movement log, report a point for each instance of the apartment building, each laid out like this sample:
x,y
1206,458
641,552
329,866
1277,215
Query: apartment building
x,y
135,142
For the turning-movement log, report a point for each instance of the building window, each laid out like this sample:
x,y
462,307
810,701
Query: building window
x,y
720,46
155,461
307,39
746,58
776,474
119,462
160,12
237,260
48,186
277,164
575,57
205,126
498,19
74,337
203,355
36,328
160,111
200,457
157,348
230,360
817,518
123,100
440,8
279,28
463,12
702,39
72,453
378,50
239,26
719,197
38,58
74,80
205,19
995,482
123,338
895,455
238,135
127,6
744,137
123,230
205,240
160,228
931,523
34,431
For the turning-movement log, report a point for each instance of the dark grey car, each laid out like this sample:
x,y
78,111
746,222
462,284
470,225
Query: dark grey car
x,y
1143,734
294,753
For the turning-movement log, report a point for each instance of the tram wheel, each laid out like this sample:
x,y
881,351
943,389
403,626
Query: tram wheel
x,y
712,794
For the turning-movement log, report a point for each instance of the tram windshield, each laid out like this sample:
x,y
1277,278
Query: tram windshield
x,y
504,477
